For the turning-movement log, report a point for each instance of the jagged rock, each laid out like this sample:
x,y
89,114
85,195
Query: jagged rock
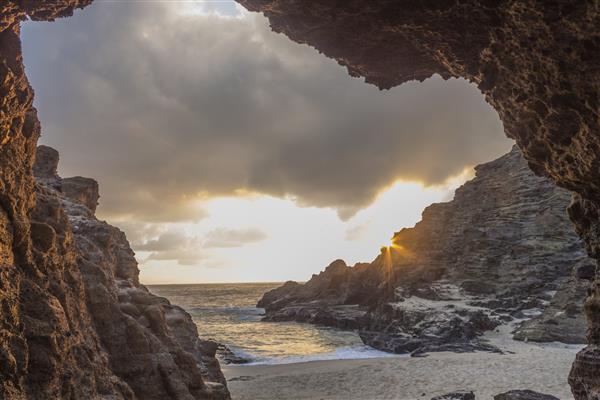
x,y
586,271
81,190
502,250
227,356
456,396
524,395
151,347
46,166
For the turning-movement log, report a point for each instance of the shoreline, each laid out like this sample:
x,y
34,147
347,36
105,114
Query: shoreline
x,y
542,367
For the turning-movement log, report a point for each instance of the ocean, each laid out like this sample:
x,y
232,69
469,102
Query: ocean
x,y
227,313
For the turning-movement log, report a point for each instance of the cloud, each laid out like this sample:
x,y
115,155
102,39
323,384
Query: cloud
x,y
233,237
166,107
166,241
173,245
182,256
356,232
188,249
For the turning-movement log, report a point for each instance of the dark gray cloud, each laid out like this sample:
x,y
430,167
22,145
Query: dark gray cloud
x,y
164,108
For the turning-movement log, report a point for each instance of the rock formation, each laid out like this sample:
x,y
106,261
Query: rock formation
x,y
150,348
535,62
524,395
503,250
456,396
510,395
74,321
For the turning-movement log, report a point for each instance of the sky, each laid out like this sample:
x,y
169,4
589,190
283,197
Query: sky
x,y
228,153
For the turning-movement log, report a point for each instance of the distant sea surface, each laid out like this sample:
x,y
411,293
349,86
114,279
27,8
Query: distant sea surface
x,y
228,314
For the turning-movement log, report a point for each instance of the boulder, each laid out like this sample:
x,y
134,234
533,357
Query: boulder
x,y
456,396
524,395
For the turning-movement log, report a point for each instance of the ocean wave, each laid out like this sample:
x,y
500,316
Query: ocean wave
x,y
227,310
342,353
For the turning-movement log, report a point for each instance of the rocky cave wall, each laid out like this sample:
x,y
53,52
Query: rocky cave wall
x,y
536,62
41,293
74,321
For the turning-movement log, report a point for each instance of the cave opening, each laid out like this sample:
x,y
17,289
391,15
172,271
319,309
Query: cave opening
x,y
552,114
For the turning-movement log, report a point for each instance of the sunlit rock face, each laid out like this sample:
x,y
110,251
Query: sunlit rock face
x,y
535,62
13,11
47,346
502,251
152,347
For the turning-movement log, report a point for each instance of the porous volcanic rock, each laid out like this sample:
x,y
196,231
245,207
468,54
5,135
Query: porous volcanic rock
x,y
54,336
502,251
48,345
535,62
151,345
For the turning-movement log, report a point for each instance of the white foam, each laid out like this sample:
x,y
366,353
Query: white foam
x,y
342,353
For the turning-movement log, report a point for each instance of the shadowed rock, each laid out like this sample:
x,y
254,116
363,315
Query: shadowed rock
x,y
456,396
45,168
81,190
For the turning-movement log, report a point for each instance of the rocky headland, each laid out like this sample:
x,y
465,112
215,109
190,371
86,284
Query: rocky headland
x,y
502,251
145,347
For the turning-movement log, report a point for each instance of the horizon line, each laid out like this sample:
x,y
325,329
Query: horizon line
x,y
218,283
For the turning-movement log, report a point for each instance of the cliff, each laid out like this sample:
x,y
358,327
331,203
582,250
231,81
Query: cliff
x,y
502,251
133,344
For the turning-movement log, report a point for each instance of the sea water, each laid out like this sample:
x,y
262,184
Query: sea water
x,y
227,313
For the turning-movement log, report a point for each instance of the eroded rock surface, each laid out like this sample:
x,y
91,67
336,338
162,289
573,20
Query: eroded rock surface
x,y
536,62
48,347
151,346
502,251
67,280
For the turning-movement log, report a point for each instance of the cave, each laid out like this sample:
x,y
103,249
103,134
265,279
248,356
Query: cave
x,y
537,64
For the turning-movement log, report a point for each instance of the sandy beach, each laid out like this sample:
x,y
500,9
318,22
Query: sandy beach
x,y
540,367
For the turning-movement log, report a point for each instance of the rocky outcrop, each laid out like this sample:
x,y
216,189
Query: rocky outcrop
x,y
151,347
502,251
534,61
456,396
524,395
510,395
330,298
81,190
